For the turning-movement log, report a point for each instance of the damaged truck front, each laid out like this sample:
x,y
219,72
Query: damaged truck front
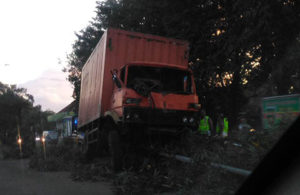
x,y
135,83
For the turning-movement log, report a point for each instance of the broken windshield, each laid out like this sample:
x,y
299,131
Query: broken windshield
x,y
157,79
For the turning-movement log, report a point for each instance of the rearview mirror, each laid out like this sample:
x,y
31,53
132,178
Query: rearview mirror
x,y
117,81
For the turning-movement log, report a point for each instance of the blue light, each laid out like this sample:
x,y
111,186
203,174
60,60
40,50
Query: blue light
x,y
75,121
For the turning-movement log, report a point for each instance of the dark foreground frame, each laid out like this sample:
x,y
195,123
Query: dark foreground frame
x,y
279,171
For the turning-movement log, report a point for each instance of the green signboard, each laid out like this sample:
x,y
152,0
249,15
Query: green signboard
x,y
280,110
59,116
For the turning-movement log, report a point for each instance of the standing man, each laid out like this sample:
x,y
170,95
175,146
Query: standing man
x,y
205,124
222,126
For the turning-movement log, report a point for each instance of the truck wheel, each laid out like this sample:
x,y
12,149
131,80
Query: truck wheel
x,y
115,150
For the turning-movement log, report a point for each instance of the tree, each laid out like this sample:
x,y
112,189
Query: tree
x,y
235,46
18,115
86,41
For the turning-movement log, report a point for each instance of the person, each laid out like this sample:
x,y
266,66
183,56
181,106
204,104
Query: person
x,y
222,126
205,124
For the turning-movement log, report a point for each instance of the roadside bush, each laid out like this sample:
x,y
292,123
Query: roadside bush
x,y
159,174
10,152
67,157
55,158
146,172
91,171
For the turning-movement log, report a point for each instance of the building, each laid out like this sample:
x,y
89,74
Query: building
x,y
66,121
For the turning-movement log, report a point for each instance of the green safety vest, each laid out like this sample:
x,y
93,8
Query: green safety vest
x,y
225,129
204,125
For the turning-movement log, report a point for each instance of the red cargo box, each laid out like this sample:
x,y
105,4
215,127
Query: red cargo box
x,y
116,49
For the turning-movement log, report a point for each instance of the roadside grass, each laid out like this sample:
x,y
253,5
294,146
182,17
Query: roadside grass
x,y
68,157
12,151
55,158
165,175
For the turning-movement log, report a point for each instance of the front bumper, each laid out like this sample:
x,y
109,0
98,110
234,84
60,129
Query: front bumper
x,y
159,118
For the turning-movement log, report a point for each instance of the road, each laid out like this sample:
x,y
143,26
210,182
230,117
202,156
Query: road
x,y
17,179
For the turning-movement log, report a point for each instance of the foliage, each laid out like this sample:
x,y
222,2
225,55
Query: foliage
x,y
82,48
157,174
18,116
92,171
54,158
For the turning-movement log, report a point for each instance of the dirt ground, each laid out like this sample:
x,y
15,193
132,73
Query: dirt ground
x,y
17,179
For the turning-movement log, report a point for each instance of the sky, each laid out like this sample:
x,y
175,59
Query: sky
x,y
35,38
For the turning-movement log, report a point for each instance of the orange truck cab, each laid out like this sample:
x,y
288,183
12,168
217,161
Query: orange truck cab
x,y
135,82
160,97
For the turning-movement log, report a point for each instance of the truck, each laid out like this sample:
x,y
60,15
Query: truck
x,y
280,111
135,84
50,137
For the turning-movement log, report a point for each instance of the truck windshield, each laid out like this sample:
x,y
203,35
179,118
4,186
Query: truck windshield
x,y
164,80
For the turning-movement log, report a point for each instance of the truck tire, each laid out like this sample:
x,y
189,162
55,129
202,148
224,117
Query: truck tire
x,y
115,150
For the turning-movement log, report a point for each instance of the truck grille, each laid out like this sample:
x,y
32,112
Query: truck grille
x,y
154,117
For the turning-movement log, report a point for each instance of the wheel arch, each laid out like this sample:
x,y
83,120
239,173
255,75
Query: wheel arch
x,y
111,116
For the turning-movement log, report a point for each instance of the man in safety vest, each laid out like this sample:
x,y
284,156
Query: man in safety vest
x,y
222,126
205,124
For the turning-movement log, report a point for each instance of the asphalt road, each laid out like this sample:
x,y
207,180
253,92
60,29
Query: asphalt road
x,y
17,179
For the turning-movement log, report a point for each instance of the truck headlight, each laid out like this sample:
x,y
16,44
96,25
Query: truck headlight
x,y
184,119
195,105
191,120
136,116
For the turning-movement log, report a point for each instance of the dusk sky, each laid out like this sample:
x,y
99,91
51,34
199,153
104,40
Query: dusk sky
x,y
35,37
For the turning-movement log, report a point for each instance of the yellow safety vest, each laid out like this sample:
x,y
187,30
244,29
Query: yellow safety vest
x,y
204,125
225,128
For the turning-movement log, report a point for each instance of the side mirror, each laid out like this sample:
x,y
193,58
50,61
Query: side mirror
x,y
116,79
